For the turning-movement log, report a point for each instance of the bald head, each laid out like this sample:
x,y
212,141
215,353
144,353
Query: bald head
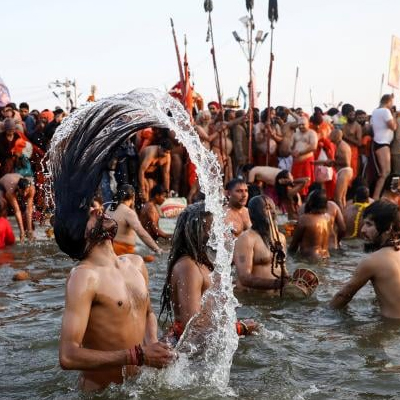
x,y
303,124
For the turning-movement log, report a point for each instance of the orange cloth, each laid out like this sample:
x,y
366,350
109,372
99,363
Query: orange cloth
x,y
354,159
304,169
323,129
191,174
123,248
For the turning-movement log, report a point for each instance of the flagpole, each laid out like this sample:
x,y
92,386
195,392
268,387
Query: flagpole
x,y
178,56
251,87
295,87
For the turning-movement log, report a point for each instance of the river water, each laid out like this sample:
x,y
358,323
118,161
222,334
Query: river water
x,y
305,351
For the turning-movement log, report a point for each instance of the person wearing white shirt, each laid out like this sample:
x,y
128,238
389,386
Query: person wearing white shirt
x,y
383,125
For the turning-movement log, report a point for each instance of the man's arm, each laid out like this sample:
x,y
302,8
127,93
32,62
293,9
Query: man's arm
x,y
133,221
362,275
12,200
297,237
166,174
243,259
144,165
80,292
340,222
151,321
153,225
29,211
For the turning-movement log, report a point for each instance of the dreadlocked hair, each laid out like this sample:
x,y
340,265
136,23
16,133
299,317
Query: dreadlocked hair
x,y
188,240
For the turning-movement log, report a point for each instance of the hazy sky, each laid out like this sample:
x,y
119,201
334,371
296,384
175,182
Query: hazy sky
x,y
341,46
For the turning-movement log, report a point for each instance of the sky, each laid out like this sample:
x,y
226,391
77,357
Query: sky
x,y
341,47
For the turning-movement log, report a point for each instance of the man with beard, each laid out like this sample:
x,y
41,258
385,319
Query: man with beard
x,y
237,213
255,250
352,134
305,142
108,326
381,232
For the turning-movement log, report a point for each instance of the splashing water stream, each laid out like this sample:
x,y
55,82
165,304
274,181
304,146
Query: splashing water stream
x,y
205,349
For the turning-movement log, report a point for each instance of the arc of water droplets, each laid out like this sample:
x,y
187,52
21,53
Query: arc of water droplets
x,y
206,360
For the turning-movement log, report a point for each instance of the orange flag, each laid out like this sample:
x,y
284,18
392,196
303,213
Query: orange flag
x,y
189,89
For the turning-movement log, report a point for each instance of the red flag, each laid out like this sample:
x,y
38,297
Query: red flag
x,y
189,88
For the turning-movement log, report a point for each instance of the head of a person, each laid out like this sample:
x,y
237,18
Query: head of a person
x,y
214,108
239,113
262,214
351,116
282,181
19,147
203,117
23,187
190,238
303,125
158,194
246,169
387,101
361,194
346,109
229,115
381,225
96,204
125,194
314,186
392,184
9,129
332,111
8,111
164,147
318,116
299,111
58,115
336,136
24,109
317,202
361,117
254,190
237,193
281,112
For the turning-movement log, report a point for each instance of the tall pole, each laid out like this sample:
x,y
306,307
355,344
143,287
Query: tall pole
x,y
381,91
273,16
75,94
251,87
178,57
295,87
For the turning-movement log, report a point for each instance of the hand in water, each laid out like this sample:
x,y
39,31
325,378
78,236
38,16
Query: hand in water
x,y
22,237
31,236
251,325
158,355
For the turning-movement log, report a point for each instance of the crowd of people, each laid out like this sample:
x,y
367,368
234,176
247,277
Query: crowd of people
x,y
318,170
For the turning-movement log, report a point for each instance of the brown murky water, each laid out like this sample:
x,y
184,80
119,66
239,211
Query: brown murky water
x,y
306,350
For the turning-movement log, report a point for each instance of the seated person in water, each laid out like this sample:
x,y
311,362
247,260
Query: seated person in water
x,y
288,191
189,270
149,216
353,212
381,232
108,326
19,192
155,164
338,226
236,212
254,250
311,234
128,223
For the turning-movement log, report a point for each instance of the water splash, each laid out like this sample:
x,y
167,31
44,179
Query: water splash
x,y
205,349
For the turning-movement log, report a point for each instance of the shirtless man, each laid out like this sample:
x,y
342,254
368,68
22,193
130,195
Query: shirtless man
x,y
352,134
108,325
149,215
305,142
202,127
155,164
236,212
391,189
381,232
253,255
188,272
312,231
288,128
128,223
14,188
344,170
263,174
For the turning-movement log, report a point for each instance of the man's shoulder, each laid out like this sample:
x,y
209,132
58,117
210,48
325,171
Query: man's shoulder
x,y
84,273
187,266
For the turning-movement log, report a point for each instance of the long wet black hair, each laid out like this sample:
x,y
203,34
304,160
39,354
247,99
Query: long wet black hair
x,y
78,160
189,239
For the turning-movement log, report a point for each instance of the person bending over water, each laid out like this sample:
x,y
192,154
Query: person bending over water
x,y
128,223
312,231
108,325
381,232
255,251
189,270
236,212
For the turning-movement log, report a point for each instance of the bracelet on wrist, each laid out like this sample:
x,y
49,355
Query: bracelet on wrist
x,y
136,355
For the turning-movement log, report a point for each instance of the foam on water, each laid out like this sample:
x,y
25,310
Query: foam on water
x,y
207,346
